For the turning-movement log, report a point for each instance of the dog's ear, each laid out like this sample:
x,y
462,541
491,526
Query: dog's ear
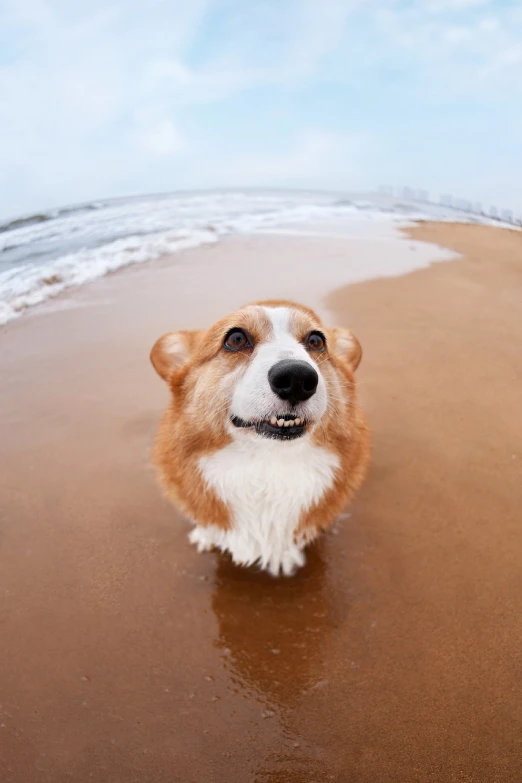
x,y
343,343
171,351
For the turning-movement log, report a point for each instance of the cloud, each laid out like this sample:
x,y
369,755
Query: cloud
x,y
457,35
445,6
152,132
308,160
108,97
161,139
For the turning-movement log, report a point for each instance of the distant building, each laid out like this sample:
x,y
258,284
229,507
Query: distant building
x,y
447,200
462,205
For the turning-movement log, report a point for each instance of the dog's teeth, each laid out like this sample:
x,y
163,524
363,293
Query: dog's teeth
x,y
273,421
281,423
297,422
287,423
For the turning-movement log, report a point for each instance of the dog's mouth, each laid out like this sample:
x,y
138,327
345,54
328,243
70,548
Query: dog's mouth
x,y
284,427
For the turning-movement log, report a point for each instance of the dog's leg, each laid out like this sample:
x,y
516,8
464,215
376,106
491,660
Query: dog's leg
x,y
288,562
202,537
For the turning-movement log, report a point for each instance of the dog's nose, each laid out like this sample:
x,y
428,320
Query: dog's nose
x,y
293,381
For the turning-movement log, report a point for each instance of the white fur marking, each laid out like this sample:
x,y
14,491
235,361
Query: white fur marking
x,y
267,486
253,398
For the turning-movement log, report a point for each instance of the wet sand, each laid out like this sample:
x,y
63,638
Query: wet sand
x,y
395,656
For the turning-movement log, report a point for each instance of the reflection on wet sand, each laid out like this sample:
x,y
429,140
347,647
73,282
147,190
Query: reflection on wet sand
x,y
272,631
272,636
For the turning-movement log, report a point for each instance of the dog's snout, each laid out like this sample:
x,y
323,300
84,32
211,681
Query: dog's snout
x,y
293,381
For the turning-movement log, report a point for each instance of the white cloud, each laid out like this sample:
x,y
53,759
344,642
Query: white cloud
x,y
102,97
489,24
314,157
162,138
457,35
445,6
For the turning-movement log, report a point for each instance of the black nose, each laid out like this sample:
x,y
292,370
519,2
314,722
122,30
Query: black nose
x,y
293,381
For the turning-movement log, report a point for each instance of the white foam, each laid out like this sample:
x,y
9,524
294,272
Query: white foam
x,y
81,244
23,287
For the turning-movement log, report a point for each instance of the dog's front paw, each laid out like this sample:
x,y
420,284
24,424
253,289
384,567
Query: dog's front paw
x,y
288,563
201,537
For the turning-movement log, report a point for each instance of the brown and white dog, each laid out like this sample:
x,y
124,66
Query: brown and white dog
x,y
263,443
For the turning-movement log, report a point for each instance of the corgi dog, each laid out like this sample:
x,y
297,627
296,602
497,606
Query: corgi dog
x,y
263,443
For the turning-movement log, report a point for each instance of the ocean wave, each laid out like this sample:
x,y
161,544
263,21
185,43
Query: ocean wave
x,y
31,220
43,217
25,286
134,238
42,255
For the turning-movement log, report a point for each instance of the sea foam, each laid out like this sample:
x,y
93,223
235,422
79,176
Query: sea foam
x,y
42,255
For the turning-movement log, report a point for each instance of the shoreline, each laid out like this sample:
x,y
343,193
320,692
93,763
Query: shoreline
x,y
392,233
374,250
391,658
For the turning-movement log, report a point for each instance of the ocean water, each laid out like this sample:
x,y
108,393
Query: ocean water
x,y
41,255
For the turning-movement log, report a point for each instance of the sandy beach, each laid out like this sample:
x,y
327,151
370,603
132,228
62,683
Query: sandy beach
x,y
393,657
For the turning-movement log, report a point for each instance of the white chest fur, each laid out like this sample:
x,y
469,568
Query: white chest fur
x,y
267,485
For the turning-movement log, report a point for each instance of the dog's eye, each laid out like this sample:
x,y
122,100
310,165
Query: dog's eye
x,y
316,342
236,340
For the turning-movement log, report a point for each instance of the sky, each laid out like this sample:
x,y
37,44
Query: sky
x,y
107,98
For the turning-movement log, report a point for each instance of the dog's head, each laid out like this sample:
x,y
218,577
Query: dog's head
x,y
268,370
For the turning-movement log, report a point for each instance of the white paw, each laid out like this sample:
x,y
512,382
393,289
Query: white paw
x,y
202,539
289,562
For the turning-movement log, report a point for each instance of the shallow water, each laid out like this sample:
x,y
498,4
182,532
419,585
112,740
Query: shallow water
x,y
44,254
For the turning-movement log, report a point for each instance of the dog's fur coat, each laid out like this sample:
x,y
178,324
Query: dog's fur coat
x,y
252,486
